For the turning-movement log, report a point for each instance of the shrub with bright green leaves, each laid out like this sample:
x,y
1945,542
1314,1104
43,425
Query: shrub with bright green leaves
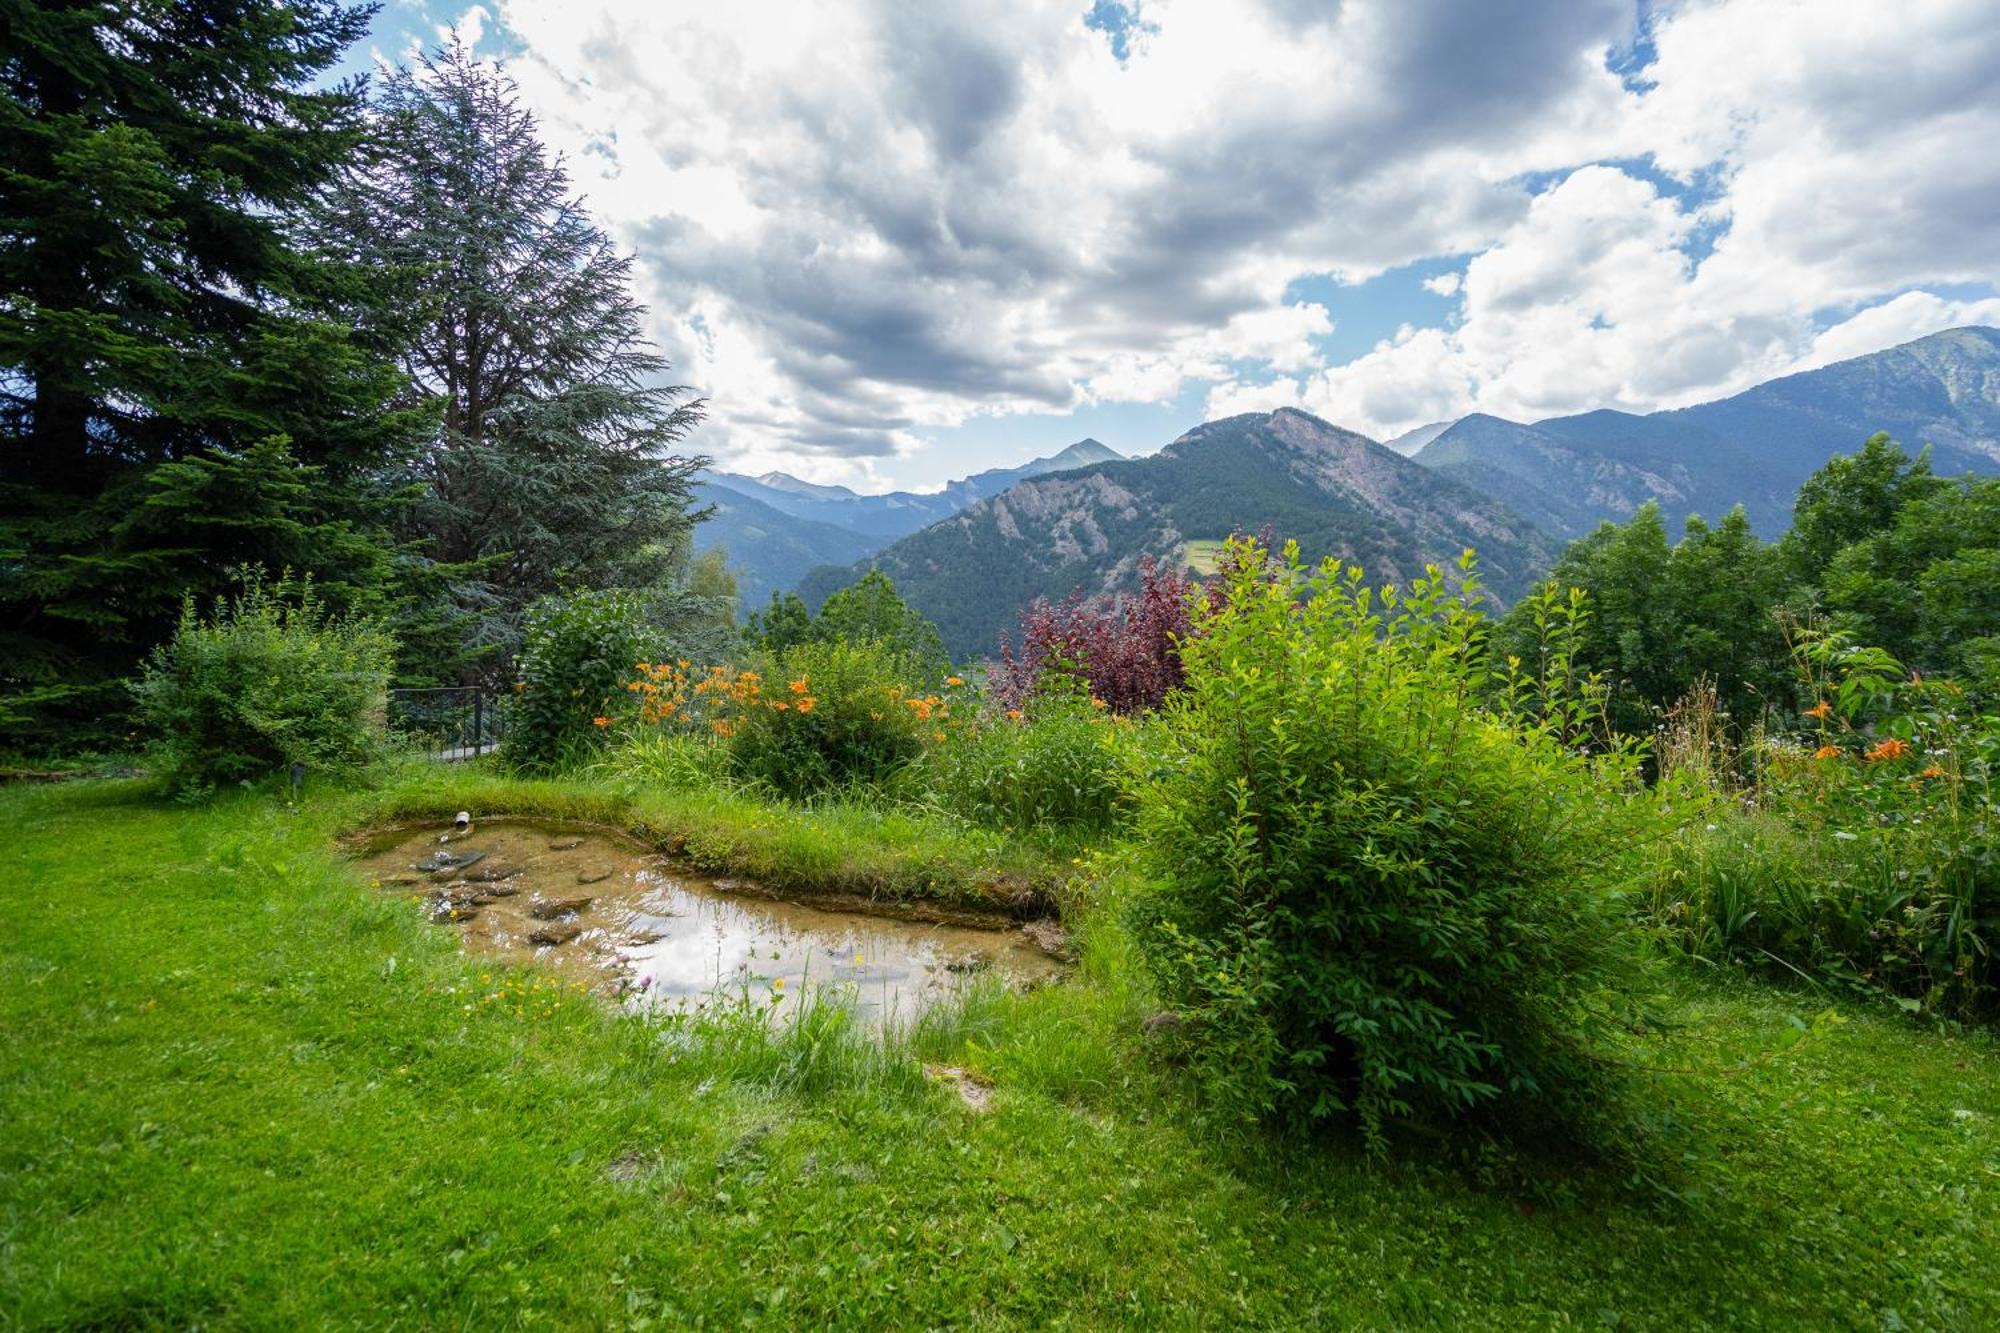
x,y
830,714
1377,897
1052,764
266,681
578,656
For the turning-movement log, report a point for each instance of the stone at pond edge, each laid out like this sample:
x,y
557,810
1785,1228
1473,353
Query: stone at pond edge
x,y
593,877
438,862
565,844
560,932
1049,936
550,909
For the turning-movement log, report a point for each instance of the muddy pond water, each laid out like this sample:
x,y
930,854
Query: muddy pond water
x,y
602,909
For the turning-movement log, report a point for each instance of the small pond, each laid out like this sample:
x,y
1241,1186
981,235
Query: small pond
x,y
602,909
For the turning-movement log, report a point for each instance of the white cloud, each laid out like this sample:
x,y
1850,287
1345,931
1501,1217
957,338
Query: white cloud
x,y
1911,315
861,221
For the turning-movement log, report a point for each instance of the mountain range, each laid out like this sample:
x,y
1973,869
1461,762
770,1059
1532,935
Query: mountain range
x,y
971,556
1568,474
1335,492
776,527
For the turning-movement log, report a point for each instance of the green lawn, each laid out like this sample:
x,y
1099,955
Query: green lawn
x,y
237,1088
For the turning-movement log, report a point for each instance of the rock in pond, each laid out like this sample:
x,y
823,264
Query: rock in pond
x,y
554,909
565,844
558,932
449,911
593,876
492,873
438,862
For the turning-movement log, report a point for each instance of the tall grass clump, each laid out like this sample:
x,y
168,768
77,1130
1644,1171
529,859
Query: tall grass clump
x,y
263,682
1377,896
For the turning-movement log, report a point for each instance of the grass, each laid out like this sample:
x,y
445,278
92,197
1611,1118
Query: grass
x,y
1201,556
239,1089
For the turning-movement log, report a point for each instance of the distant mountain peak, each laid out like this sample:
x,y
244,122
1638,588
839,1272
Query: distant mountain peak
x,y
1085,452
785,481
1411,441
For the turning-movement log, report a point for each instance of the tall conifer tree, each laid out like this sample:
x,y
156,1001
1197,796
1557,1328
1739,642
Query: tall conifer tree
x,y
554,464
169,351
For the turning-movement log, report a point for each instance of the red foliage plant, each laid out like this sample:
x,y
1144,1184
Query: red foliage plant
x,y
1124,646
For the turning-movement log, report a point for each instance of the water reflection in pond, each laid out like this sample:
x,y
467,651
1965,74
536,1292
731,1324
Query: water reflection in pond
x,y
603,910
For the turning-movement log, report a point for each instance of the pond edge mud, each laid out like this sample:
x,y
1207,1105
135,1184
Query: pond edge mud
x,y
1015,903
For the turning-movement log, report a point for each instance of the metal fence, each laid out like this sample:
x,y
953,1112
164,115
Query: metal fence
x,y
448,722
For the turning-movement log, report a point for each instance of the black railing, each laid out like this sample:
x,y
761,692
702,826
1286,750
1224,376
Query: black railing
x,y
448,722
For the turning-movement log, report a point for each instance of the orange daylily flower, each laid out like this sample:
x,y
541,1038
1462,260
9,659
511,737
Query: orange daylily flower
x,y
1820,710
799,686
600,722
805,705
1891,748
1827,752
953,680
1933,772
1013,715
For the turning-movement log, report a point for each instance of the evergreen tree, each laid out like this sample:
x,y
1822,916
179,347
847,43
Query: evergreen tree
x,y
785,622
158,310
553,465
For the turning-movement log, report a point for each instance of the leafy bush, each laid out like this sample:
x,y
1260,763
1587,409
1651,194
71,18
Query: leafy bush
x,y
577,659
1126,647
261,684
1375,896
830,714
1050,765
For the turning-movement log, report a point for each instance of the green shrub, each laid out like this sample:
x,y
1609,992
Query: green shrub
x,y
828,714
263,683
578,658
1375,896
1051,764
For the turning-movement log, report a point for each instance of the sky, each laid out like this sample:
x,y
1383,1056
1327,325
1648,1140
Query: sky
x,y
895,242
